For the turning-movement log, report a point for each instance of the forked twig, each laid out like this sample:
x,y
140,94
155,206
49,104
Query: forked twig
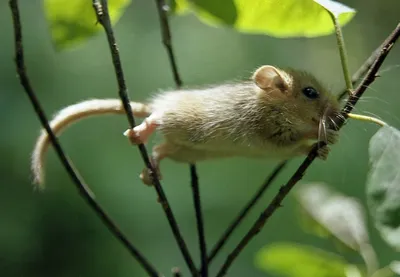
x,y
284,190
277,170
372,72
362,70
79,183
103,17
167,42
357,76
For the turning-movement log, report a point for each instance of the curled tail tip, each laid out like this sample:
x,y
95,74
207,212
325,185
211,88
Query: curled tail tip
x,y
38,177
38,183
37,170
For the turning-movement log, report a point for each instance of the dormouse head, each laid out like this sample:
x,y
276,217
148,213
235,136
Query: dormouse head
x,y
297,94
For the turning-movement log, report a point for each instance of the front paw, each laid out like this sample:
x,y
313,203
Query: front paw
x,y
331,136
323,152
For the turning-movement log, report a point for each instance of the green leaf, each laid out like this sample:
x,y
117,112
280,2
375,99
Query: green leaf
x,y
395,267
340,215
383,183
295,260
283,18
74,21
180,6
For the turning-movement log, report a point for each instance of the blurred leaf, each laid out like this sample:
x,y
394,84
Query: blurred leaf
x,y
383,184
340,215
395,267
310,225
74,21
295,260
180,6
284,18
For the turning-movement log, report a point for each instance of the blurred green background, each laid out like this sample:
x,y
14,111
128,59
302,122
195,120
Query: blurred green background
x,y
54,233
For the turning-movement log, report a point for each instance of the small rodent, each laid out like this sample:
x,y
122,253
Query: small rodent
x,y
277,114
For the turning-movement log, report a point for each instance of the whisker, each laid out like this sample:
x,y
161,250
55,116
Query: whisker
x,y
341,117
375,98
324,129
320,128
373,89
366,97
387,69
334,123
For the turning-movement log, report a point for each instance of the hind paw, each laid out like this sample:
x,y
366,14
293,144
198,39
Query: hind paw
x,y
146,176
141,133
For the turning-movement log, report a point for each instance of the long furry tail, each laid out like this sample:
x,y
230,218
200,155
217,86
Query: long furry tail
x,y
70,115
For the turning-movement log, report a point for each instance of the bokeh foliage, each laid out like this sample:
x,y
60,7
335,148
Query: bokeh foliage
x,y
54,233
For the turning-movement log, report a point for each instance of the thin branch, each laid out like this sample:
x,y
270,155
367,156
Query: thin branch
x,y
284,190
162,9
199,221
246,209
101,10
79,183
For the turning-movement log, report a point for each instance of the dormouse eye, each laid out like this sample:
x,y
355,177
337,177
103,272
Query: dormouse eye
x,y
310,92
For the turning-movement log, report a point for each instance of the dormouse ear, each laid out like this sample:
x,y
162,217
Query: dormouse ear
x,y
269,77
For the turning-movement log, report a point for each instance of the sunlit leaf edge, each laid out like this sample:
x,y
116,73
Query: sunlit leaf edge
x,y
116,10
183,7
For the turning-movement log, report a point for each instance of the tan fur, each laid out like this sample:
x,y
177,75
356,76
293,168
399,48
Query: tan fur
x,y
268,116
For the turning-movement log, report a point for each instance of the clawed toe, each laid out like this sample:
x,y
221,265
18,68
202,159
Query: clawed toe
x,y
323,152
146,177
141,133
332,136
133,136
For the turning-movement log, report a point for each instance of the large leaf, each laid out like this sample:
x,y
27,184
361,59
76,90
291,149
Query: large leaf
x,y
383,184
279,18
340,215
74,21
295,260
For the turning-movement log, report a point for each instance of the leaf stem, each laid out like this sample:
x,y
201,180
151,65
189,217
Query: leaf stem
x,y
366,118
367,252
342,52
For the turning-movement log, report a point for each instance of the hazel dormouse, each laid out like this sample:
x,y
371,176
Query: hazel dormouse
x,y
278,114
